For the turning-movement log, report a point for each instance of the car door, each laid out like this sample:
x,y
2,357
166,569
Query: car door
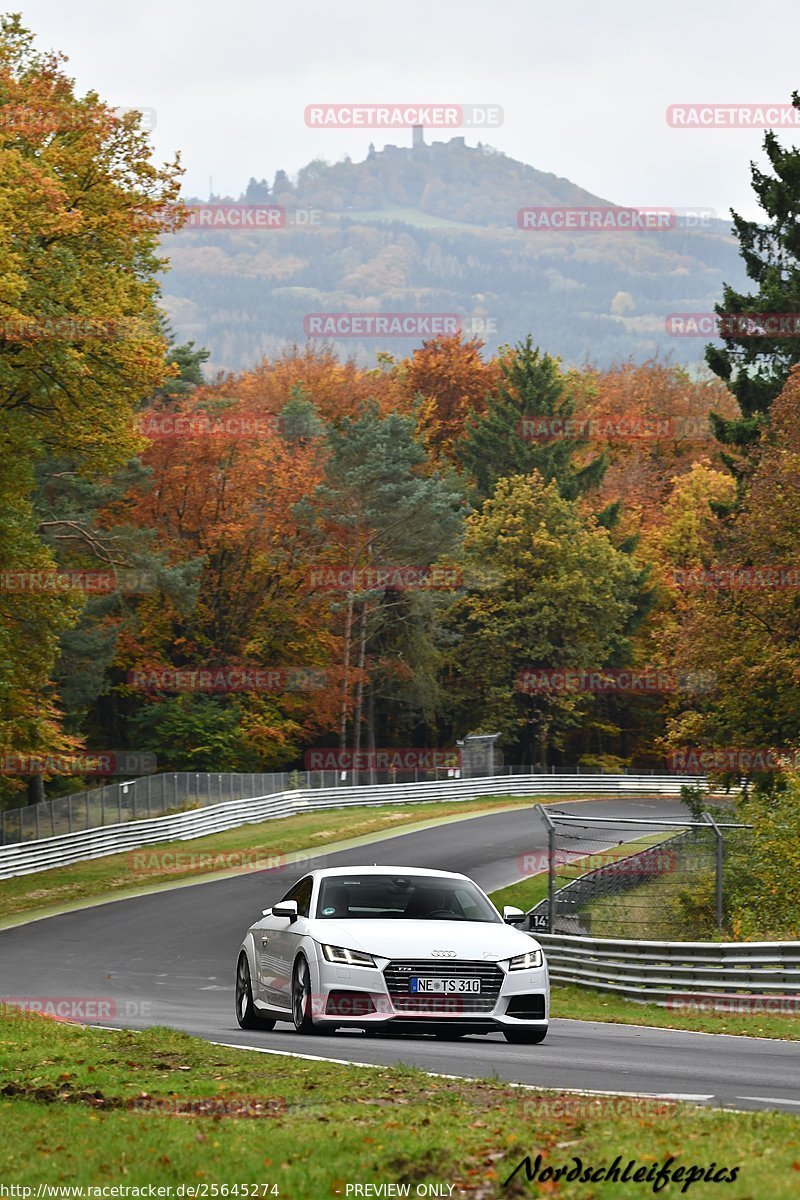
x,y
278,946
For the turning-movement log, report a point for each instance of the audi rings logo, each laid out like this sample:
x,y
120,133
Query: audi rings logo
x,y
443,953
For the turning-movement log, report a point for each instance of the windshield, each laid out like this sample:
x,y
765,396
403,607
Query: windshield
x,y
408,897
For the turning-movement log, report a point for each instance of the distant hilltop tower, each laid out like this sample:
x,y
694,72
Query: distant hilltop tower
x,y
418,137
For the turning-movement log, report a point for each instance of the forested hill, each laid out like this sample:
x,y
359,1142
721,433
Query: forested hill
x,y
450,180
434,229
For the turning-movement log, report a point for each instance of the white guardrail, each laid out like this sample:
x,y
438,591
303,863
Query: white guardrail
x,y
732,976
24,858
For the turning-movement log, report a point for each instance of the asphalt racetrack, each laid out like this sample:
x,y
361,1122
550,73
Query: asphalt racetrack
x,y
168,958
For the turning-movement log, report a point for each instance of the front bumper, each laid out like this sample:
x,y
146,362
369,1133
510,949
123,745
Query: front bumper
x,y
346,995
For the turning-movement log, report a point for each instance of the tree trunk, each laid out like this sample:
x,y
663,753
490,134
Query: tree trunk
x,y
371,728
35,789
348,629
362,650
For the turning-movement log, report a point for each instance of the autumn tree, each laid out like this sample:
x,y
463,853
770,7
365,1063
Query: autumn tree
x,y
80,341
451,380
564,597
746,634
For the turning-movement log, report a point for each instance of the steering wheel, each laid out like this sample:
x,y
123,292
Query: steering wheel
x,y
441,912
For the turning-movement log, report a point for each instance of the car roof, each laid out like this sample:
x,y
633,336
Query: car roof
x,y
374,869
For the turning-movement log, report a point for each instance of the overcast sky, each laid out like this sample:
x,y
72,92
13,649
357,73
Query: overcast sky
x,y
584,86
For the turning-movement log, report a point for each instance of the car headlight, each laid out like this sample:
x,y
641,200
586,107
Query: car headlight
x,y
524,962
349,958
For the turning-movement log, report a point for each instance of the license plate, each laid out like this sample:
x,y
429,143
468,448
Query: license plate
x,y
446,986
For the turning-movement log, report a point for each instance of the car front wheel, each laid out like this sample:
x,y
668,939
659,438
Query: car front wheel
x,y
246,1013
526,1037
301,997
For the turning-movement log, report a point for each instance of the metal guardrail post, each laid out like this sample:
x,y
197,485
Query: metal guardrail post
x,y
719,857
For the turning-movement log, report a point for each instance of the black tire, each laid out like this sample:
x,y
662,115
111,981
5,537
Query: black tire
x,y
525,1037
246,1013
301,997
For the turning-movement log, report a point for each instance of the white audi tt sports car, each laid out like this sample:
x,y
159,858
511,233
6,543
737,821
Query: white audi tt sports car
x,y
392,948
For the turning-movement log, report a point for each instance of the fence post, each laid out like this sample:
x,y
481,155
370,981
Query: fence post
x,y
69,813
720,854
551,862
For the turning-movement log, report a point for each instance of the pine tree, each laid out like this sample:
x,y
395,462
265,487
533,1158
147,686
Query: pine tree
x,y
755,368
495,447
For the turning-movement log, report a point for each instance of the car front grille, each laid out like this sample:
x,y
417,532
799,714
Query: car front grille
x,y
398,975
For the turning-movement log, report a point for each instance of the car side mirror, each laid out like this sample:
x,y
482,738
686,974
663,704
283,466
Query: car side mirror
x,y
285,908
511,915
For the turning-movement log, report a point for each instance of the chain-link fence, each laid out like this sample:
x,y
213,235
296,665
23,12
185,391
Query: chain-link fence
x,y
660,881
156,795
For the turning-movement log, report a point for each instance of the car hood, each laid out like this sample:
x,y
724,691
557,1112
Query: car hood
x,y
419,939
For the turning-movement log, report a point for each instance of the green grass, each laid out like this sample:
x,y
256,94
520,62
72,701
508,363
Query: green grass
x,y
244,848
91,1107
410,216
653,911
531,890
586,1004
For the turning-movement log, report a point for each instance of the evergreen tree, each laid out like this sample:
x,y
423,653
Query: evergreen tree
x,y
257,192
387,508
755,368
496,445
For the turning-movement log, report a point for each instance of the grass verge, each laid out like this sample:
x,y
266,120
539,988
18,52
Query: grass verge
x,y
247,847
531,890
94,1107
586,1004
